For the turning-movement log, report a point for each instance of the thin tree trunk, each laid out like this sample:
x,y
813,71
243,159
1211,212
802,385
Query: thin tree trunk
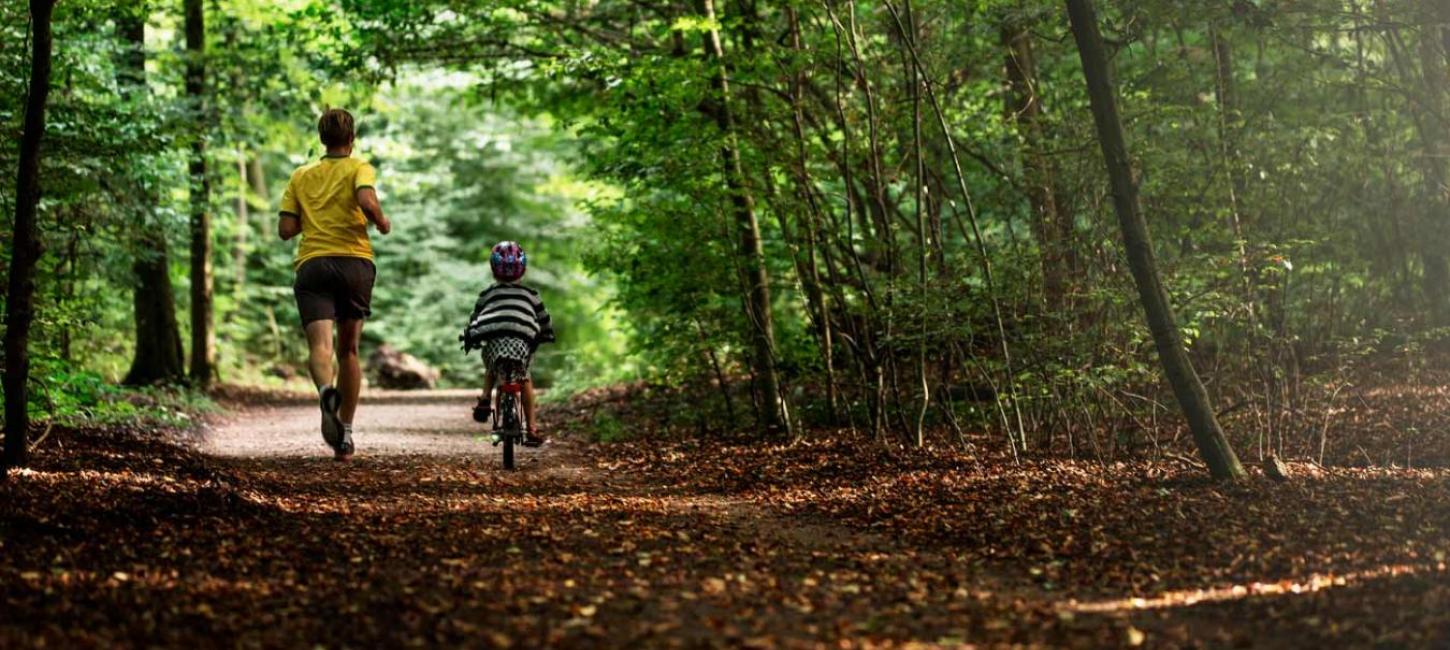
x,y
244,226
1228,119
1213,445
1433,131
869,362
1050,225
158,354
1426,104
203,341
925,247
25,251
984,260
720,379
257,176
757,298
810,274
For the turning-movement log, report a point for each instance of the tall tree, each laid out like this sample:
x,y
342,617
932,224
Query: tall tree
x,y
25,251
1213,445
158,357
1430,120
742,203
203,340
1051,224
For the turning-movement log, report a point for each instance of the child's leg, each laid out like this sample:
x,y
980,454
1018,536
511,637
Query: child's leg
x,y
529,404
484,408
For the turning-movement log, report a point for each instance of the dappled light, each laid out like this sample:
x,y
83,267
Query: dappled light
x,y
1287,587
794,324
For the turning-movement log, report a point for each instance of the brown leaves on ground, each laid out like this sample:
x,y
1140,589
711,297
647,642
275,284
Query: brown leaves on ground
x,y
122,538
1353,556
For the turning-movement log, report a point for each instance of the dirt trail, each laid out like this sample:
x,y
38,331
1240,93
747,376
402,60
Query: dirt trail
x,y
433,429
424,541
440,544
389,423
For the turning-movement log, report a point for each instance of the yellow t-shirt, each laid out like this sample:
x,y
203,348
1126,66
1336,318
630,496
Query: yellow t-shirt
x,y
323,195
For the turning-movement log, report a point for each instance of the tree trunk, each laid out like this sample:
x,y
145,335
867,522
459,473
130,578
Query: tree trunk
x,y
203,344
25,252
1192,397
919,198
1432,130
244,226
809,269
258,178
1051,226
757,298
158,356
1224,90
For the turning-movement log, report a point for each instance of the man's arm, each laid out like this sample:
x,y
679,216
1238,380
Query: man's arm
x,y
288,225
289,214
367,199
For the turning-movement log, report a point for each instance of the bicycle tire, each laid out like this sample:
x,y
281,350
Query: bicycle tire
x,y
509,410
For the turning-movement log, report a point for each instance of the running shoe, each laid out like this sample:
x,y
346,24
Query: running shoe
x,y
343,451
330,400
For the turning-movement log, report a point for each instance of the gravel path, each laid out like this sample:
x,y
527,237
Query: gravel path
x,y
388,423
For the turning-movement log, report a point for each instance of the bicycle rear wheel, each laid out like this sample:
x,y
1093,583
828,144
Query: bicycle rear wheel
x,y
509,410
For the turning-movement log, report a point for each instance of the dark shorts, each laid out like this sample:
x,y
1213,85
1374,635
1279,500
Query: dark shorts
x,y
334,288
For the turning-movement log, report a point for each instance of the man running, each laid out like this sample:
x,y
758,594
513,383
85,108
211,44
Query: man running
x,y
330,202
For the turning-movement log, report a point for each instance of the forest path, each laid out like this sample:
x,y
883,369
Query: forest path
x,y
388,423
116,539
424,538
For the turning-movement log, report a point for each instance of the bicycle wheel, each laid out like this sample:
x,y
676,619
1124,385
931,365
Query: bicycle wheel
x,y
508,409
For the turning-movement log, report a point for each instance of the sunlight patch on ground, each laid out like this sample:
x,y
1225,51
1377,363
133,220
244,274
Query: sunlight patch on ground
x,y
1190,597
96,477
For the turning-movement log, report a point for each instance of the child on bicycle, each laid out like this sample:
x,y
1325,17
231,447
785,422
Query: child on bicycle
x,y
509,323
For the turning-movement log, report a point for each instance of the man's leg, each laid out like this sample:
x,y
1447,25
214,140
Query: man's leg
x,y
319,354
349,372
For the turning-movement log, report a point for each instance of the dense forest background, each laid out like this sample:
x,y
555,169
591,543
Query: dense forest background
x,y
889,216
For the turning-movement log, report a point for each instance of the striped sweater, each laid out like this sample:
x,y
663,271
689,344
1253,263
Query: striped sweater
x,y
507,309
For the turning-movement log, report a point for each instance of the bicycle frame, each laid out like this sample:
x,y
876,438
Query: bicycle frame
x,y
510,402
509,419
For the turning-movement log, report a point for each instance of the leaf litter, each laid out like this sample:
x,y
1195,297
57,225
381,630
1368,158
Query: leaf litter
x,y
127,537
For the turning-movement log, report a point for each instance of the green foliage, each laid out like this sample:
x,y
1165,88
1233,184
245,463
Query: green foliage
x,y
78,397
1290,158
608,428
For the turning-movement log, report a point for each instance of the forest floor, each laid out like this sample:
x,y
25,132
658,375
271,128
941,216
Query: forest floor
x,y
252,536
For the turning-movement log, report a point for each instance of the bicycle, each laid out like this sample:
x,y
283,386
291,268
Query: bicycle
x,y
509,422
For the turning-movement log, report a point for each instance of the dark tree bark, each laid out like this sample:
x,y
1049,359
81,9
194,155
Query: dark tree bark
x,y
203,341
25,251
158,356
1051,224
757,278
1435,75
1226,94
1189,390
808,269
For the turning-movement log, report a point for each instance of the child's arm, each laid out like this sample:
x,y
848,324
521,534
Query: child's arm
x,y
469,343
546,326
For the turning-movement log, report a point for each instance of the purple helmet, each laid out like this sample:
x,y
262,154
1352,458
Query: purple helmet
x,y
508,261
